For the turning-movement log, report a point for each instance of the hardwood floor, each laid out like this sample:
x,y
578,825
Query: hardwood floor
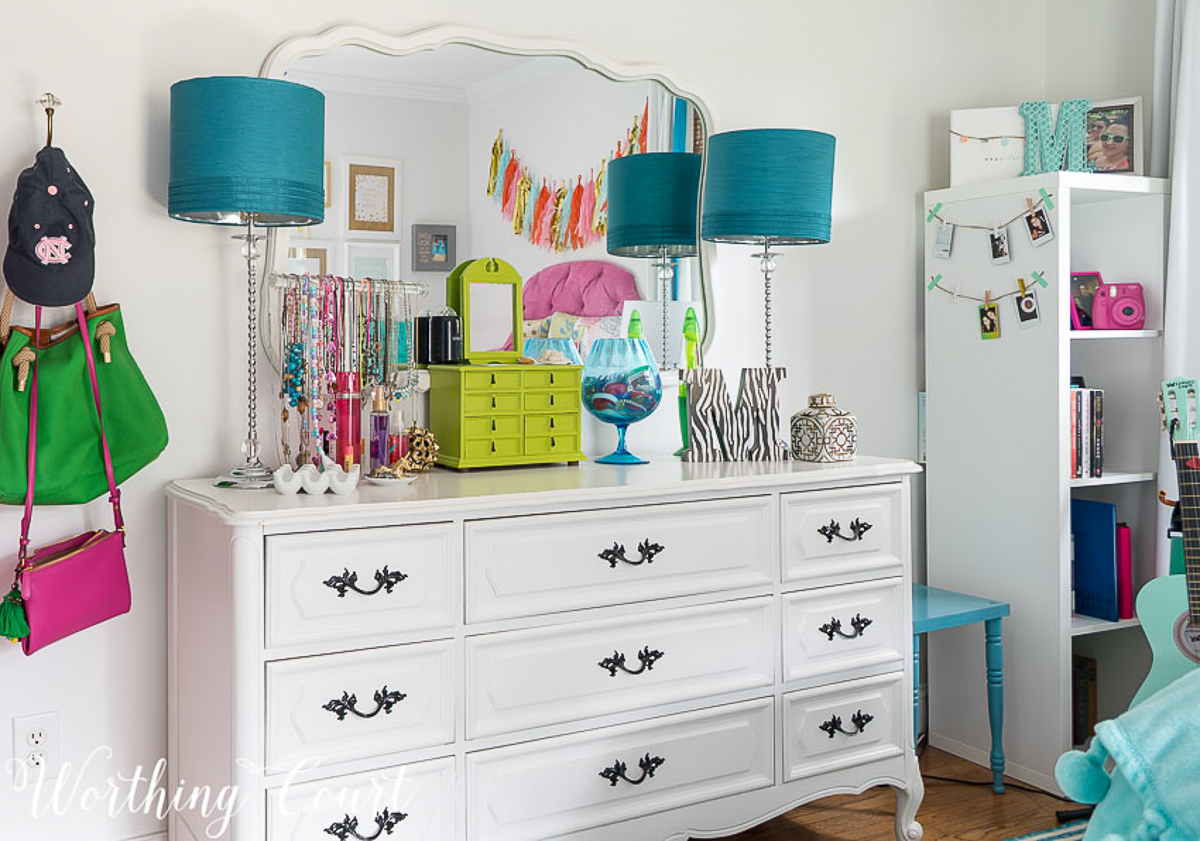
x,y
949,811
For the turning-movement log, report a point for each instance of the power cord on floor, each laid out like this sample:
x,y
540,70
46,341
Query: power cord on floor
x,y
923,744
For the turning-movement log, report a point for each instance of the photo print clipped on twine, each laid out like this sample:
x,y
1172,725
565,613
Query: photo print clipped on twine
x,y
1024,298
1035,220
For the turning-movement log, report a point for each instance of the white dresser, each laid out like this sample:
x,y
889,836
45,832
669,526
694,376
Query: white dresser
x,y
640,653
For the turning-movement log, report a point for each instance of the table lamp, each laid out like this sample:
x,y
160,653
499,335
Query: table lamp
x,y
652,204
768,187
247,151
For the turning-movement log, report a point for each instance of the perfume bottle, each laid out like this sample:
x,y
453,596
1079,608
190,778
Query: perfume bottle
x,y
348,419
380,418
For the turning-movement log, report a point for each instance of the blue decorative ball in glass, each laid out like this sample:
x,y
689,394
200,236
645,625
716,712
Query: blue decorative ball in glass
x,y
621,386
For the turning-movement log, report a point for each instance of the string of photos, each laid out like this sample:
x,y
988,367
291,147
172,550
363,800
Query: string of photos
x,y
1037,226
341,339
1025,299
552,213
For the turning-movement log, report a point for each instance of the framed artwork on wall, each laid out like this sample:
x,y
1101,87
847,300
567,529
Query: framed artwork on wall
x,y
433,248
374,260
311,256
373,197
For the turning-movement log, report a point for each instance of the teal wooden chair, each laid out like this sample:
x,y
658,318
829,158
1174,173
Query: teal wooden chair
x,y
935,609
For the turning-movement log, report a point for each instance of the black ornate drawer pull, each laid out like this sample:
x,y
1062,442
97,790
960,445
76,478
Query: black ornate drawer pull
x,y
834,529
834,626
384,701
647,656
347,827
646,553
649,764
860,720
384,580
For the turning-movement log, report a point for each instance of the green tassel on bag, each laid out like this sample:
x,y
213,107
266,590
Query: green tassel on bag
x,y
12,616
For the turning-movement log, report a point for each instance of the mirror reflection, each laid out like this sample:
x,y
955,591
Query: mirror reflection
x,y
491,316
508,153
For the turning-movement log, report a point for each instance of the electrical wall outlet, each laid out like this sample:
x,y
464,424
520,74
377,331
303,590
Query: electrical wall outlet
x,y
36,744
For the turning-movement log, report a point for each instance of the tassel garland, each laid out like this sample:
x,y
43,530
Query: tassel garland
x,y
557,215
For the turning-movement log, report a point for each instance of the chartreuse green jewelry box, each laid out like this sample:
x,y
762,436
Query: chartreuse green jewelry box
x,y
498,415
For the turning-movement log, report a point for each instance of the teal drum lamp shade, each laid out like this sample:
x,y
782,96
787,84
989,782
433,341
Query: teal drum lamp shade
x,y
768,187
653,199
244,146
247,151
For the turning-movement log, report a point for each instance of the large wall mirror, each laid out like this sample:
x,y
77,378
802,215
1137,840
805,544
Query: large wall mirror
x,y
423,119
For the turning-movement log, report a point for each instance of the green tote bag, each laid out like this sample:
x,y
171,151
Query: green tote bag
x,y
68,470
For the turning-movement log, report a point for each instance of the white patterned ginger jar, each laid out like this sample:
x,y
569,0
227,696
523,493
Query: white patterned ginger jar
x,y
823,432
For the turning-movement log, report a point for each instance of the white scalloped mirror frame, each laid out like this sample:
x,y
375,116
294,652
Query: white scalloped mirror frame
x,y
302,46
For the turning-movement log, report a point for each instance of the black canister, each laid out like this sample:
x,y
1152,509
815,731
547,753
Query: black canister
x,y
439,339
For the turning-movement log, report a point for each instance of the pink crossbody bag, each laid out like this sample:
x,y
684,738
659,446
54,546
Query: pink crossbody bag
x,y
80,582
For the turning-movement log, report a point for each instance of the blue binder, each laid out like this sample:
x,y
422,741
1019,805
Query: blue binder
x,y
1094,525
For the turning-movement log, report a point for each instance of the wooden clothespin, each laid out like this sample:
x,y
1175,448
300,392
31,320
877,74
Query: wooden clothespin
x,y
1029,204
987,297
955,296
1021,284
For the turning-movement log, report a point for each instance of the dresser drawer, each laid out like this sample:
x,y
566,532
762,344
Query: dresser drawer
x,y
501,426
550,401
843,535
418,799
403,696
484,403
555,787
847,627
843,725
480,378
549,563
485,448
560,423
546,376
531,678
343,584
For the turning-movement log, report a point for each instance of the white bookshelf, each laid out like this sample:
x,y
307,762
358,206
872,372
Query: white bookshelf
x,y
998,484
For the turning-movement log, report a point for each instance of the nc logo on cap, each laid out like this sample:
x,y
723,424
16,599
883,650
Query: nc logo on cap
x,y
53,250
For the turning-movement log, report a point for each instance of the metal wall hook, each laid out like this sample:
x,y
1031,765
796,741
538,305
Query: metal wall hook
x,y
49,102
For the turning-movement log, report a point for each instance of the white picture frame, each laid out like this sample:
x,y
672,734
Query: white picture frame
x,y
374,260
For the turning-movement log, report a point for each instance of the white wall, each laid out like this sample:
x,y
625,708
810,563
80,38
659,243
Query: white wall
x,y
561,123
428,139
879,75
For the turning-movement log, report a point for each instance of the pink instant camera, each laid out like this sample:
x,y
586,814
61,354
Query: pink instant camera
x,y
1118,306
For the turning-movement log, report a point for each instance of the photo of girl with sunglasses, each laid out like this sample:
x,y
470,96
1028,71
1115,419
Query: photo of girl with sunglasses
x,y
1110,139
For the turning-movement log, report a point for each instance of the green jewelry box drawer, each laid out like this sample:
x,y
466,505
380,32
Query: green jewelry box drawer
x,y
490,380
492,448
541,445
548,401
560,424
482,404
550,377
499,426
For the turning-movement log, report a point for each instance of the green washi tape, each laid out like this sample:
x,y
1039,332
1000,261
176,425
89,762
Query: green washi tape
x,y
1046,199
933,282
1038,277
933,213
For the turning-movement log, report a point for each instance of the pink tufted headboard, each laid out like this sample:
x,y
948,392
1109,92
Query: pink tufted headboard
x,y
591,288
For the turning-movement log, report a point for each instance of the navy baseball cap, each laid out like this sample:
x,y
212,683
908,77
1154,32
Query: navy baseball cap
x,y
51,257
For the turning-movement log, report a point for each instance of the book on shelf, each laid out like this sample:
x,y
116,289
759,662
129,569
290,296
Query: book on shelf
x,y
1124,572
1094,525
1083,698
1087,432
